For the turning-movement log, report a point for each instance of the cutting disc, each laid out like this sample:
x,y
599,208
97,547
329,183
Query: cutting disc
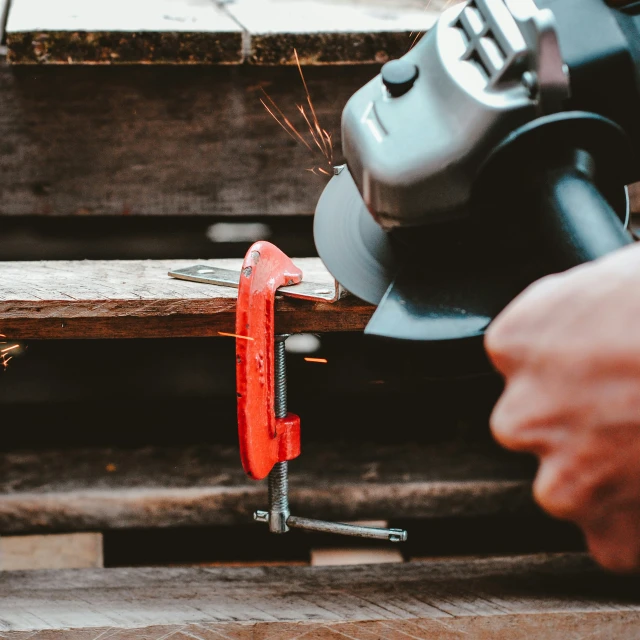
x,y
355,250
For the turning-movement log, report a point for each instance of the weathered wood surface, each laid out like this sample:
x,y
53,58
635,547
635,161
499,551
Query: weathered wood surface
x,y
98,489
557,597
122,31
162,140
332,31
137,299
206,31
51,551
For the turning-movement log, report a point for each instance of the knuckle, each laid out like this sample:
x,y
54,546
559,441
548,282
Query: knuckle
x,y
612,556
561,492
518,420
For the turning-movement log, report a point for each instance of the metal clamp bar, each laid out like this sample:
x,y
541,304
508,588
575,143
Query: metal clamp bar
x,y
341,528
377,533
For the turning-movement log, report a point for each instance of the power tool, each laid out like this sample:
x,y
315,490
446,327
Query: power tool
x,y
496,151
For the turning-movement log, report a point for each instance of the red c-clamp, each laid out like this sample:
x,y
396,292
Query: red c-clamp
x,y
264,438
269,435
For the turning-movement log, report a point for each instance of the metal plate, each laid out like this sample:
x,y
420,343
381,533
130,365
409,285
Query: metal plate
x,y
228,278
352,246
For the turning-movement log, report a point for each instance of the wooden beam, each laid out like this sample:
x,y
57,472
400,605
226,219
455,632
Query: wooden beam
x,y
516,598
51,551
144,31
330,32
205,485
137,299
163,140
204,31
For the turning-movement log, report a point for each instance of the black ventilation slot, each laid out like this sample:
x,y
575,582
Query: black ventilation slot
x,y
475,57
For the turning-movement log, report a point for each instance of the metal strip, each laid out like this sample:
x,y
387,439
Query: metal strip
x,y
228,278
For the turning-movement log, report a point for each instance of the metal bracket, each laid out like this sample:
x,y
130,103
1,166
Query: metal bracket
x,y
306,290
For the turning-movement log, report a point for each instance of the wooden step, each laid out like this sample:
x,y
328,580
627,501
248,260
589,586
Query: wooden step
x,y
205,485
204,31
515,598
138,299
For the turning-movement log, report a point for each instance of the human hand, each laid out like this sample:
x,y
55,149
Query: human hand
x,y
569,350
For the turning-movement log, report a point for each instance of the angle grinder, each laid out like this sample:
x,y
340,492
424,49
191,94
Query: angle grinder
x,y
496,151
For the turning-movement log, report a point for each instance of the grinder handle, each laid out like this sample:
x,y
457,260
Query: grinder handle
x,y
577,218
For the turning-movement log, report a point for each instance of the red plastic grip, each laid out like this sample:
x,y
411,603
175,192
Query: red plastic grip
x,y
264,439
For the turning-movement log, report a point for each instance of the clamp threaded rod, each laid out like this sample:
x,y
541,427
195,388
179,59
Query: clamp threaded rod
x,y
279,475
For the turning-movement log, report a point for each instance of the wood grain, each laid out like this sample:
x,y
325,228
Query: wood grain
x,y
330,31
137,299
51,551
204,31
515,598
120,31
99,489
162,140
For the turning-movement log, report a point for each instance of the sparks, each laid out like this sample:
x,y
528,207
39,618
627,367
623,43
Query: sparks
x,y
11,348
320,137
6,361
320,360
318,170
234,335
418,34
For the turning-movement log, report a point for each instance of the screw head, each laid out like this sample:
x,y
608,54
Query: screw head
x,y
530,82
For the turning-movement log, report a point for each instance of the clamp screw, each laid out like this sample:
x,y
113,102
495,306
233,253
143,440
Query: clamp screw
x,y
530,82
279,517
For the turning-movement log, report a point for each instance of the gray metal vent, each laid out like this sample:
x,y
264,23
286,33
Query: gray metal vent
x,y
493,41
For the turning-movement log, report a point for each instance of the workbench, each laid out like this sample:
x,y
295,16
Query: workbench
x,y
130,115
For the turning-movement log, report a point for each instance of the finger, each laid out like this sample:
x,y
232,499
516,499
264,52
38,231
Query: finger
x,y
614,542
560,491
509,339
518,421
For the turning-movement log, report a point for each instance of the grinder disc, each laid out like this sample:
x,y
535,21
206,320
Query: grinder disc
x,y
355,250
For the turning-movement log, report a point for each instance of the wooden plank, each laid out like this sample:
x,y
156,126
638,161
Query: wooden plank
x,y
137,299
162,140
337,557
51,551
330,31
517,598
204,31
205,485
120,31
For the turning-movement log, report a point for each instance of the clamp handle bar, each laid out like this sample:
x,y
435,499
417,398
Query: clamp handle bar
x,y
341,528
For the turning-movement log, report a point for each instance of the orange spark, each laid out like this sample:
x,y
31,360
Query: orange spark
x,y
289,128
6,361
320,360
326,148
111,467
234,335
321,137
420,33
319,170
11,348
